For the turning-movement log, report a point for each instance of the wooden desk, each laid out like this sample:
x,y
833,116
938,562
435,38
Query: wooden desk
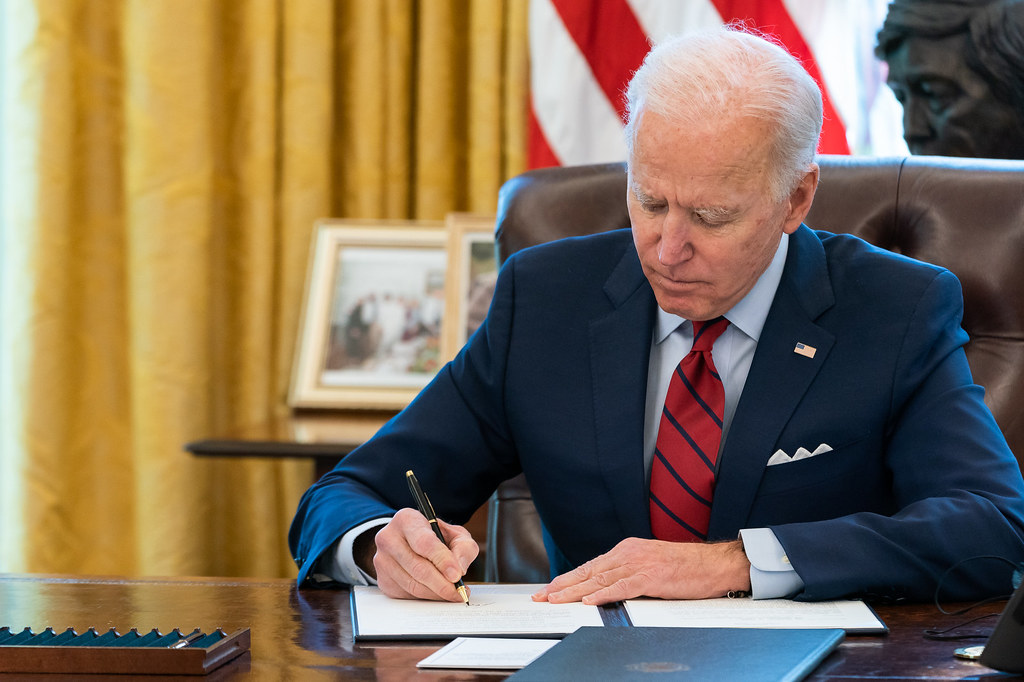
x,y
307,634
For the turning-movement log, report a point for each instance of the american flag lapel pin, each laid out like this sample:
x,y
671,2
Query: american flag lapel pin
x,y
805,350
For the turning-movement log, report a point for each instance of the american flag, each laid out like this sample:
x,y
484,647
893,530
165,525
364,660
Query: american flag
x,y
583,53
805,350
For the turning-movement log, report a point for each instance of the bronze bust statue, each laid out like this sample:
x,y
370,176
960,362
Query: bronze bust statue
x,y
957,67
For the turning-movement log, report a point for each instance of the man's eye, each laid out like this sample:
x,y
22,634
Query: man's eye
x,y
652,206
939,94
710,218
936,89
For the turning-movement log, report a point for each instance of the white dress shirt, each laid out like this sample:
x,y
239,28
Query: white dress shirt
x,y
771,576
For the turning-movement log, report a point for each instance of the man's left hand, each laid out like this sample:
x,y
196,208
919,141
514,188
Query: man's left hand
x,y
654,568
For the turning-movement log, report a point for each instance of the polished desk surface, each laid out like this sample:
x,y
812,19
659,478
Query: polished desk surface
x,y
307,634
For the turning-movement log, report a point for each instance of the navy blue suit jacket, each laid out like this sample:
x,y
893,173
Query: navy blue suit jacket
x,y
554,385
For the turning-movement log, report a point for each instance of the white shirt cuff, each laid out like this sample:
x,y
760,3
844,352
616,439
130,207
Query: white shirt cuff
x,y
771,575
341,565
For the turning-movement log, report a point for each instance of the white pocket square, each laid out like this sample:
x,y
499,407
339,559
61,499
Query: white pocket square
x,y
780,457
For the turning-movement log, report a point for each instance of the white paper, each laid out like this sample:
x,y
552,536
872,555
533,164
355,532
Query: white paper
x,y
494,609
487,653
850,615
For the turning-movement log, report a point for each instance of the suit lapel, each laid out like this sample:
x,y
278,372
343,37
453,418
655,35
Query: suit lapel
x,y
777,381
620,345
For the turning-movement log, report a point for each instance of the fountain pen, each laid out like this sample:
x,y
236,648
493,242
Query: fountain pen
x,y
427,509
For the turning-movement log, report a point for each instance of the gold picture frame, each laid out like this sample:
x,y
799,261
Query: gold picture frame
x,y
472,273
372,315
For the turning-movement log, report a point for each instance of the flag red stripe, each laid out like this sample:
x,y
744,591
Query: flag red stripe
x,y
611,40
772,17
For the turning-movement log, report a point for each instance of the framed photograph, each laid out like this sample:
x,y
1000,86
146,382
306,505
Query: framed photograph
x,y
373,314
472,273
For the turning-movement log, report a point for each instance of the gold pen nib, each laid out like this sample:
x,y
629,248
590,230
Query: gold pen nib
x,y
464,593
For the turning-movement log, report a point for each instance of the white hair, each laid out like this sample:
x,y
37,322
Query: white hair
x,y
705,75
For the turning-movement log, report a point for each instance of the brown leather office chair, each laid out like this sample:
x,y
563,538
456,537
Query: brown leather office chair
x,y
963,214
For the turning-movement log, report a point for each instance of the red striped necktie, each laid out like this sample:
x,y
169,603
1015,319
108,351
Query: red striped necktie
x,y
683,471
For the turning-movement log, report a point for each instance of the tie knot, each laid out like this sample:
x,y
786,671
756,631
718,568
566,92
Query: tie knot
x,y
705,333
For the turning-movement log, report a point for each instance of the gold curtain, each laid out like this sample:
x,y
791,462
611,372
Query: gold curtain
x,y
164,161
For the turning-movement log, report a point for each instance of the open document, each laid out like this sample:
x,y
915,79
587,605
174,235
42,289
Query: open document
x,y
494,609
853,616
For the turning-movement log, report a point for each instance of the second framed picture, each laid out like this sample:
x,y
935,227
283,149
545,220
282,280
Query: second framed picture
x,y
373,314
472,274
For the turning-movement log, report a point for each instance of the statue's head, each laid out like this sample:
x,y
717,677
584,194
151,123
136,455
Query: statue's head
x,y
957,67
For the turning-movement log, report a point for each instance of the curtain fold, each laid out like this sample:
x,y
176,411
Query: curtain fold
x,y
164,163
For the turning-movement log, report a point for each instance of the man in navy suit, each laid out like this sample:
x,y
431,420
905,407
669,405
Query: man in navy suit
x,y
856,458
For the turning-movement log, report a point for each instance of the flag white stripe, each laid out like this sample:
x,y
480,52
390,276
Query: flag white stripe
x,y
832,37
660,19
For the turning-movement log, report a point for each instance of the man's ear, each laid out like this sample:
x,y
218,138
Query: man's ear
x,y
800,199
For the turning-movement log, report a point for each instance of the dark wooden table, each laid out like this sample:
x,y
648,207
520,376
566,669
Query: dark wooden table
x,y
321,436
307,634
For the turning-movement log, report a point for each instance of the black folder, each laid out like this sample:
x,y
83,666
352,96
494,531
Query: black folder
x,y
1003,651
721,654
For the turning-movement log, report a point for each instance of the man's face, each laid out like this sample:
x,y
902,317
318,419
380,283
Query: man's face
x,y
948,109
704,224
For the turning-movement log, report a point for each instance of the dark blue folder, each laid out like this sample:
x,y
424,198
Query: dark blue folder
x,y
656,653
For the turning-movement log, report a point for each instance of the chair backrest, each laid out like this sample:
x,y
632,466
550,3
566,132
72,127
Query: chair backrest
x,y
964,214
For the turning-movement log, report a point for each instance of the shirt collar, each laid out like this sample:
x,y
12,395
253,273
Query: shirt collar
x,y
752,310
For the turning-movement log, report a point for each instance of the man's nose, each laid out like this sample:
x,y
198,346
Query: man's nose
x,y
676,244
917,125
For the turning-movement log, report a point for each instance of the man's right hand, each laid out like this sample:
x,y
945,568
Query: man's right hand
x,y
411,563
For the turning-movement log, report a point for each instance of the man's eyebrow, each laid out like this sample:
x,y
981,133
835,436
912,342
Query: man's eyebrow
x,y
918,73
639,193
715,213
